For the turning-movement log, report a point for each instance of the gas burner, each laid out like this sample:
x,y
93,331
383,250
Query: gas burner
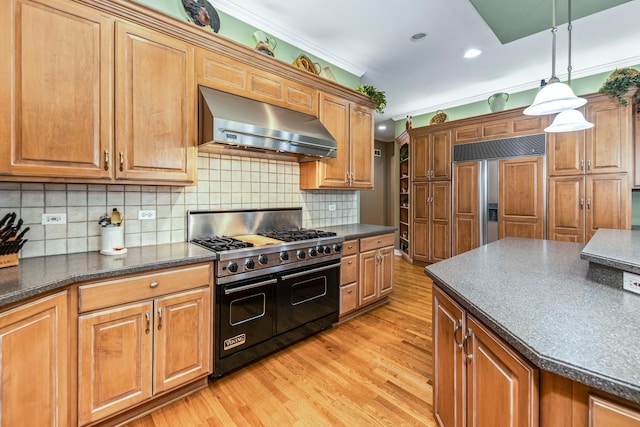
x,y
221,243
295,234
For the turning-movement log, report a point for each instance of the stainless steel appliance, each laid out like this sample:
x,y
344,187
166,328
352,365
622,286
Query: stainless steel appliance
x,y
276,282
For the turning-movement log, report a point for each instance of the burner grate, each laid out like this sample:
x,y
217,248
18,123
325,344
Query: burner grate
x,y
296,234
221,243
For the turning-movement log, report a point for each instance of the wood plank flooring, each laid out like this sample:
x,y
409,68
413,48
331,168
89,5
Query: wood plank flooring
x,y
374,370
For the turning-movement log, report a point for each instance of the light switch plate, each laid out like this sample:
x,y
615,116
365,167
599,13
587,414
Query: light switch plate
x,y
148,214
54,218
631,282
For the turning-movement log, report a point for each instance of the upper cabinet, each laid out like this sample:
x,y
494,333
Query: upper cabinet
x,y
431,156
61,112
605,148
351,125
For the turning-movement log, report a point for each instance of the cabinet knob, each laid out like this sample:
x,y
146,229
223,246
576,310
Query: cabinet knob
x,y
154,284
106,160
121,162
350,262
582,203
588,164
350,291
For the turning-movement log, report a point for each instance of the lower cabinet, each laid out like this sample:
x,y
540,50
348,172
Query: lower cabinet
x,y
141,336
34,363
366,273
478,379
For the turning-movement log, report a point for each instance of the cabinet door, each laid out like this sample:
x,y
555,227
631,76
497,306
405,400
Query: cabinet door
x,y
440,154
34,363
566,213
420,225
385,270
361,146
466,219
334,115
182,341
502,387
565,152
56,81
609,142
449,374
420,158
440,219
608,413
367,289
608,204
115,360
520,209
155,107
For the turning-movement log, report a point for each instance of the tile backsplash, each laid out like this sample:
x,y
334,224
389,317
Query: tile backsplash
x,y
224,182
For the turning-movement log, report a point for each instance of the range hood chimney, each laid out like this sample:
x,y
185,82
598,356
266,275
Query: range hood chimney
x,y
246,124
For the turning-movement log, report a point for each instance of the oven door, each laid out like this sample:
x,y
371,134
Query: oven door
x,y
307,294
246,314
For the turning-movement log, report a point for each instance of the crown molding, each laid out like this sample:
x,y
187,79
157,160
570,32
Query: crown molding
x,y
251,18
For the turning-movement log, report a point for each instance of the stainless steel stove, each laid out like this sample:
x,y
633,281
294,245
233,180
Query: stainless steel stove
x,y
276,282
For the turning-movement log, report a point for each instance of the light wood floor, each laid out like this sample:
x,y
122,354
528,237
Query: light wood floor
x,y
374,370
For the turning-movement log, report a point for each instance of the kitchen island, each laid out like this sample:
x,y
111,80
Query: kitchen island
x,y
536,296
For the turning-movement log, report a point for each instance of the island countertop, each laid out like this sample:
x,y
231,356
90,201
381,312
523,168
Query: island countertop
x,y
535,295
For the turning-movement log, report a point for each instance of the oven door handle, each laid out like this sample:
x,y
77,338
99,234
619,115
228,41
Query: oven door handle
x,y
307,272
251,286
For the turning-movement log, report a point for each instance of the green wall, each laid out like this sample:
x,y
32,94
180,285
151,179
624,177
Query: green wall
x,y
241,32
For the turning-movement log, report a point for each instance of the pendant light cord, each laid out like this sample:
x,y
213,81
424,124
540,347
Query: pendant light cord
x,y
554,30
569,28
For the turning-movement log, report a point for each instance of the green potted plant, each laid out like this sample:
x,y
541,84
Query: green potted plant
x,y
376,96
619,82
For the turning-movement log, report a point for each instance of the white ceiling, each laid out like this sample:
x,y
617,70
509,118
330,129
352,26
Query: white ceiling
x,y
371,38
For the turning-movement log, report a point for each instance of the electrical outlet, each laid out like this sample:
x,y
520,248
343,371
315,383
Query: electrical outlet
x,y
48,219
332,208
149,214
631,282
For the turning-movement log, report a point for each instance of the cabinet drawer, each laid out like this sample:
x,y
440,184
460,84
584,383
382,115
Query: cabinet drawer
x,y
349,269
348,298
134,288
376,242
350,247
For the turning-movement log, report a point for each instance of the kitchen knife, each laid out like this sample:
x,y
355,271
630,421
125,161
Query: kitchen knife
x,y
7,226
22,233
4,219
21,244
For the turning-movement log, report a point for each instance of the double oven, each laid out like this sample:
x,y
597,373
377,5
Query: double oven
x,y
276,282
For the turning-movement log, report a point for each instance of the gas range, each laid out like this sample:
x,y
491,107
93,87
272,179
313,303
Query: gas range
x,y
252,243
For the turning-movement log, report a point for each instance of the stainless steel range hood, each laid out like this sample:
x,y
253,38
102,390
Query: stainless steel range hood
x,y
246,124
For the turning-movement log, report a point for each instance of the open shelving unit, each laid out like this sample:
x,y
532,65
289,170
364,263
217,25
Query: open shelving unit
x,y
405,196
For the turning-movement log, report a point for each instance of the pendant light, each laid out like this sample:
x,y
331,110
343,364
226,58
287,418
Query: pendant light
x,y
569,120
555,96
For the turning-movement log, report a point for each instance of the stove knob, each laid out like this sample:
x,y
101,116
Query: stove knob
x,y
327,250
284,255
337,247
313,252
232,266
320,249
249,264
300,254
324,250
262,259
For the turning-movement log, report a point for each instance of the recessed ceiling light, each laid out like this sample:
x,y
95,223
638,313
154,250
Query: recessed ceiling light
x,y
472,53
382,127
418,36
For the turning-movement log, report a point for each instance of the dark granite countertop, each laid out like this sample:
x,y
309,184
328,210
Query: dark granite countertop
x,y
535,294
356,231
618,249
34,276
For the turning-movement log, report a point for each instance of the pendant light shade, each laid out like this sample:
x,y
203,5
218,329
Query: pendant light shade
x,y
569,121
553,98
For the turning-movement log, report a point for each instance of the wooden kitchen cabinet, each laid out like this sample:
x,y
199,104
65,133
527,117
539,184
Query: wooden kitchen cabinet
x,y
34,362
88,103
431,156
155,106
352,127
431,226
521,207
579,205
349,276
478,379
466,215
56,115
153,330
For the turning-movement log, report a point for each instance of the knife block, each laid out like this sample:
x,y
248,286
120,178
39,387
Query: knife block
x,y
9,260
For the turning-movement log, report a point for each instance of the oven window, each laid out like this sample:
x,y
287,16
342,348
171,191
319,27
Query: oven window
x,y
308,290
245,309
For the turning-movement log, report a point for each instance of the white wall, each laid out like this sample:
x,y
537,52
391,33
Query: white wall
x,y
224,182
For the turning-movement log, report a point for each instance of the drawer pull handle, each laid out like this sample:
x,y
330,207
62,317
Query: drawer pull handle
x,y
121,162
455,334
350,246
379,241
350,291
350,262
148,318
159,318
154,284
106,160
465,343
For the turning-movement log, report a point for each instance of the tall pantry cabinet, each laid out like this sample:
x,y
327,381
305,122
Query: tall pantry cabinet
x,y
590,173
